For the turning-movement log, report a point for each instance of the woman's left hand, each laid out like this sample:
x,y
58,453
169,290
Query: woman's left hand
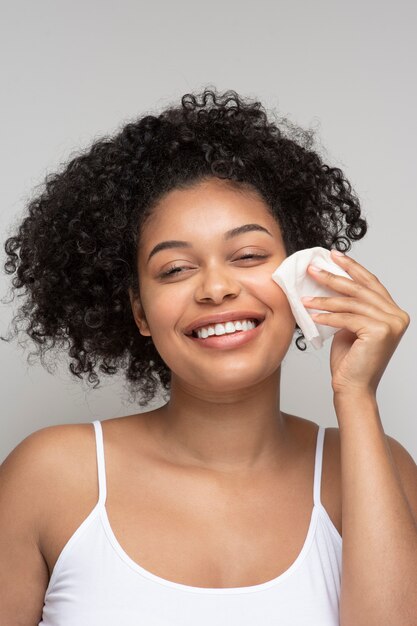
x,y
371,326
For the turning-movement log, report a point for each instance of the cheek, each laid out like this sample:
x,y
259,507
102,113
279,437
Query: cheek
x,y
164,307
275,300
267,291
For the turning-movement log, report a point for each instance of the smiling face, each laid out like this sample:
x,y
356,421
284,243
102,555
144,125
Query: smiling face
x,y
215,267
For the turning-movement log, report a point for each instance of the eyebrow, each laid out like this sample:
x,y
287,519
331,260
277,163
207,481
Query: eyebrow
x,y
173,243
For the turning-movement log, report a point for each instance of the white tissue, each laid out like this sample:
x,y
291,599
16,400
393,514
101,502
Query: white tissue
x,y
291,275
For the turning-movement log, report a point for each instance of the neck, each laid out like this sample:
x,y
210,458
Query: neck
x,y
233,431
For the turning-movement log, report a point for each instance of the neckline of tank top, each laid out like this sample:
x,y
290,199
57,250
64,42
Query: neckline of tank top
x,y
99,512
316,511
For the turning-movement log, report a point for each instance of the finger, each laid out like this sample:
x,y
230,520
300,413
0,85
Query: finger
x,y
350,287
391,325
356,307
363,276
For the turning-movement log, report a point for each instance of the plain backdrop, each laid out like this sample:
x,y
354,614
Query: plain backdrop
x,y
73,72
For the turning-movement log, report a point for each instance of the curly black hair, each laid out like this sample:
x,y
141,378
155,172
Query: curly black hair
x,y
75,251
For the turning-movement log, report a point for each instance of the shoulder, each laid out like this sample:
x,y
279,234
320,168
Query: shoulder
x,y
39,450
43,463
59,455
33,478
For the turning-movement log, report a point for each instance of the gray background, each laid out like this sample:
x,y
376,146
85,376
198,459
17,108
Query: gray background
x,y
72,72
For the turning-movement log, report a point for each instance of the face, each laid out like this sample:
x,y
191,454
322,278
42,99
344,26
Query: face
x,y
217,270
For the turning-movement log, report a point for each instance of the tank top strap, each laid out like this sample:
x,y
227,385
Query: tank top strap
x,y
318,465
101,466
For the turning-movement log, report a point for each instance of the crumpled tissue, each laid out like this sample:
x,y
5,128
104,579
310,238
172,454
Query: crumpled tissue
x,y
291,275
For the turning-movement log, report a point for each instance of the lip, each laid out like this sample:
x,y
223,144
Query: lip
x,y
229,340
225,316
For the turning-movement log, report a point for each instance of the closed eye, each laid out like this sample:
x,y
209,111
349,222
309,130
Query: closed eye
x,y
253,256
178,269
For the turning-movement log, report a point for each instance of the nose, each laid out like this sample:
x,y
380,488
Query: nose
x,y
215,285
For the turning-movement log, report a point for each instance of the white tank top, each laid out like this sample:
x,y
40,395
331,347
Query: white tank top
x,y
95,583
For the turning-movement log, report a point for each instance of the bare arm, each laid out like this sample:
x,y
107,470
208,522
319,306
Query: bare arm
x,y
379,515
379,480
23,571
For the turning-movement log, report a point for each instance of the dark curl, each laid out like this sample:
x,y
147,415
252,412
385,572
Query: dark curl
x,y
74,253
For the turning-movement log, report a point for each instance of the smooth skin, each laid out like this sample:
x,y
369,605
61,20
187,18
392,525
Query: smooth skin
x,y
224,406
222,436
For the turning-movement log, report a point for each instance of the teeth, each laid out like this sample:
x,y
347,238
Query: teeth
x,y
227,328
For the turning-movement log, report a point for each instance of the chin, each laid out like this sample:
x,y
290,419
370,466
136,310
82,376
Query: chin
x,y
223,382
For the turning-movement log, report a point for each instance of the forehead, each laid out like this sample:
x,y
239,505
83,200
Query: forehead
x,y
208,208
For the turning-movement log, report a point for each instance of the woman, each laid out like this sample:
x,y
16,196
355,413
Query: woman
x,y
153,252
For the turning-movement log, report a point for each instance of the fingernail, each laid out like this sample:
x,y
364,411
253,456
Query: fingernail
x,y
337,253
314,268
